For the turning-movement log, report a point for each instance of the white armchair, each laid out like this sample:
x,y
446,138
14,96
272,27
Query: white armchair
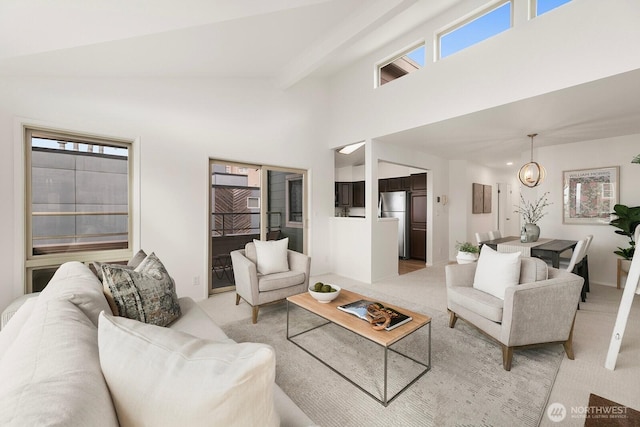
x,y
541,309
260,289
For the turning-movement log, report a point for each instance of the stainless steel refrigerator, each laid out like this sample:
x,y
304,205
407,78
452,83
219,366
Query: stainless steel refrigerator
x,y
394,204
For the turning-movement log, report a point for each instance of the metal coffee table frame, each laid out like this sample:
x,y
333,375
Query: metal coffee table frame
x,y
385,399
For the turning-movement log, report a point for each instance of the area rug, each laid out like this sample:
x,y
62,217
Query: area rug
x,y
466,385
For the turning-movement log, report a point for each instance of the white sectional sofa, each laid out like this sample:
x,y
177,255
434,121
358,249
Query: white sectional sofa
x,y
62,362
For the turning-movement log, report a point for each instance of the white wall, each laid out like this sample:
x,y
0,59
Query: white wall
x,y
351,247
181,124
579,42
366,249
584,155
570,46
463,223
7,226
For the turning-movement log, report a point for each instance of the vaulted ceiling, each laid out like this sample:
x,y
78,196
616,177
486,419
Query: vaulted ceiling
x,y
288,41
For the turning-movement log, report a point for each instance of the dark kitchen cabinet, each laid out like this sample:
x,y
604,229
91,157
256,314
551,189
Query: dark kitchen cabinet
x,y
357,194
395,184
383,185
405,183
418,225
343,194
419,182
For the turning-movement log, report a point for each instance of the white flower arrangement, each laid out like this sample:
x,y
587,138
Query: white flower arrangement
x,y
532,212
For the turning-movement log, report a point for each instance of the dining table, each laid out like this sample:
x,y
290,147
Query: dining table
x,y
547,249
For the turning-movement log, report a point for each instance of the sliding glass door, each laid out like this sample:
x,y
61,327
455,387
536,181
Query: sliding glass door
x,y
252,202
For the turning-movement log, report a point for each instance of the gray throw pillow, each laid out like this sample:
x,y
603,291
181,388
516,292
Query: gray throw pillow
x,y
147,293
131,264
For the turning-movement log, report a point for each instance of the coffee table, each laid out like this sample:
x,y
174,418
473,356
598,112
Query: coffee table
x,y
385,339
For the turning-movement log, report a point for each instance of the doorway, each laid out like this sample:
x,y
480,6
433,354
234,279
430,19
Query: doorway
x,y
250,202
412,183
507,224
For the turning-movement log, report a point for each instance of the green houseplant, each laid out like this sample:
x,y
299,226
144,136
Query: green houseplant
x,y
628,218
467,252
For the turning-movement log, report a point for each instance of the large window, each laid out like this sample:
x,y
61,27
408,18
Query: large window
x,y
479,27
78,201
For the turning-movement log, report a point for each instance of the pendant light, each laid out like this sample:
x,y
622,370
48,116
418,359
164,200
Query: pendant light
x,y
532,173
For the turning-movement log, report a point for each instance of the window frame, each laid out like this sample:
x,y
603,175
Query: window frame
x,y
288,222
380,65
533,8
33,263
485,10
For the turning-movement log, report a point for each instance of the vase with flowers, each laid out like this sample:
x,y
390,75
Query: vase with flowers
x,y
531,213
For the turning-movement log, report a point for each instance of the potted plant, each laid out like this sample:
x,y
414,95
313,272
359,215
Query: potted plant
x,y
467,252
531,213
628,218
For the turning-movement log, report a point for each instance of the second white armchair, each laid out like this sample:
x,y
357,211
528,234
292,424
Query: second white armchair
x,y
259,289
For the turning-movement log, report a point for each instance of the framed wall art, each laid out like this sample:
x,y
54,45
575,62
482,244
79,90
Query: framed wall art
x,y
590,194
481,198
477,203
486,199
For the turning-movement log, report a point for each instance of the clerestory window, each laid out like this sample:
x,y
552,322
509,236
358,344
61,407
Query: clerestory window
x,y
538,7
473,30
401,65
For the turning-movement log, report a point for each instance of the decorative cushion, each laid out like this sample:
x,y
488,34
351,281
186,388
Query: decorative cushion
x,y
147,294
479,302
272,255
161,377
496,271
533,269
276,281
131,264
51,373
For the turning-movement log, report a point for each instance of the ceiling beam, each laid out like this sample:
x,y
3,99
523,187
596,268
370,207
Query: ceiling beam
x,y
345,33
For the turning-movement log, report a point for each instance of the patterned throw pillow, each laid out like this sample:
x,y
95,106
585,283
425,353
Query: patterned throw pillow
x,y
131,264
147,294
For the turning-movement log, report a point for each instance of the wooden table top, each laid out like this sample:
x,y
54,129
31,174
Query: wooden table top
x,y
554,245
353,323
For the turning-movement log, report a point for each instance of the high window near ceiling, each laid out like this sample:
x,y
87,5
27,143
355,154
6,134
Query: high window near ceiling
x,y
400,65
78,202
538,7
481,26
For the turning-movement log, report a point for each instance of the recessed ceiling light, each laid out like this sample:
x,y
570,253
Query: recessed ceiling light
x,y
509,163
351,148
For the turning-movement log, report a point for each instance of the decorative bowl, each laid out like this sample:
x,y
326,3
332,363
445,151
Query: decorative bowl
x,y
325,297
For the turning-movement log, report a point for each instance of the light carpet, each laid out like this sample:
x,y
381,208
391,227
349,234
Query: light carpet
x,y
466,385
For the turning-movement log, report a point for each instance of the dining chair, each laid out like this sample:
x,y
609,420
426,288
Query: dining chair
x,y
482,237
586,261
564,261
495,234
576,264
